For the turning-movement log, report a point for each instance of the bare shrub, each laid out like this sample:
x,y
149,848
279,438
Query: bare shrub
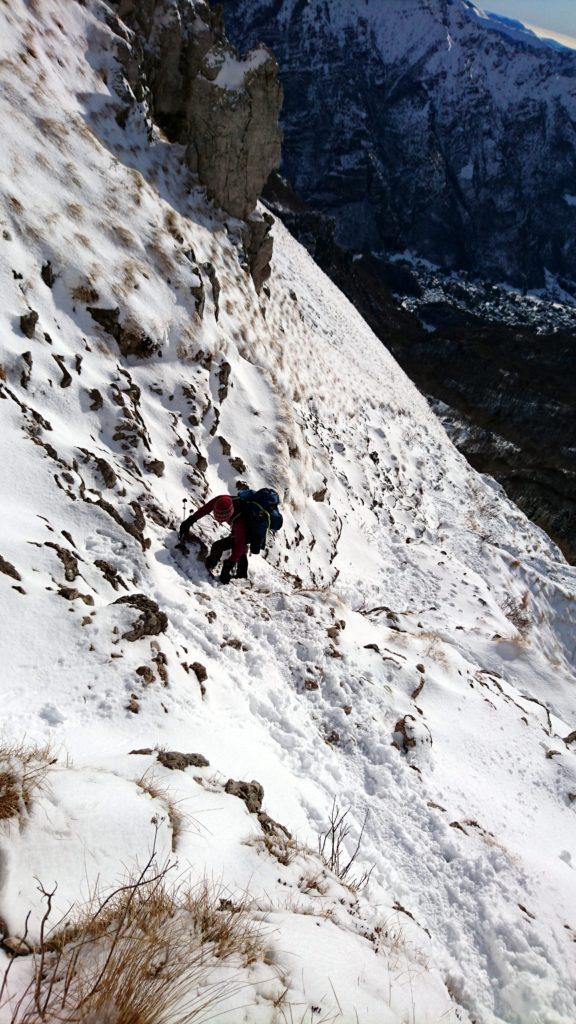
x,y
516,611
434,648
332,849
23,770
146,953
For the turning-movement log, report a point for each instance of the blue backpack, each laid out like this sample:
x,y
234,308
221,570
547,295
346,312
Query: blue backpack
x,y
261,513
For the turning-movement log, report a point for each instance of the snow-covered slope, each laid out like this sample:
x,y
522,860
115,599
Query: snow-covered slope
x,y
427,125
406,649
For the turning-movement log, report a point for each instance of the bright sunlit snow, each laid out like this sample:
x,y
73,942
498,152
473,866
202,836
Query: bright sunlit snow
x,y
406,648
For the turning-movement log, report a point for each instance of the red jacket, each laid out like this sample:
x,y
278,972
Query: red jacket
x,y
237,526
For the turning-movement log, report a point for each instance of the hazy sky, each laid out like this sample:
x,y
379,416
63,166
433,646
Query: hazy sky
x,y
559,15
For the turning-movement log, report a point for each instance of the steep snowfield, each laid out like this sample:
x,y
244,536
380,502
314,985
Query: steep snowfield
x,y
407,647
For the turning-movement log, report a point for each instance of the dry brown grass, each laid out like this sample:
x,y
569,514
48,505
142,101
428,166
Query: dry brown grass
x,y
149,953
85,293
283,849
41,158
56,130
173,225
123,235
180,820
84,241
163,260
75,211
435,648
72,175
23,769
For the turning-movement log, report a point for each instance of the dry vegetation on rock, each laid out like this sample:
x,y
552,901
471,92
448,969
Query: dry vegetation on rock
x,y
150,952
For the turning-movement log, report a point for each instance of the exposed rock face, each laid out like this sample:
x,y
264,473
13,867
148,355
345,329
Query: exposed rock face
x,y
28,323
252,793
8,569
151,622
426,125
258,246
131,339
222,107
232,127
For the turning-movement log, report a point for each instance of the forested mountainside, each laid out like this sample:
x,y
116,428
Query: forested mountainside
x,y
430,126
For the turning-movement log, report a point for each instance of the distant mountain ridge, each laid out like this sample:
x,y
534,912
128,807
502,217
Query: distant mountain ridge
x,y
428,125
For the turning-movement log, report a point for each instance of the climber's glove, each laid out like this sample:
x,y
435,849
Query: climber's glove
x,y
184,530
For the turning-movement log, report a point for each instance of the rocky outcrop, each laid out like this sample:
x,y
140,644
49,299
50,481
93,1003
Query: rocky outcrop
x,y
258,246
151,621
224,108
174,759
232,126
131,339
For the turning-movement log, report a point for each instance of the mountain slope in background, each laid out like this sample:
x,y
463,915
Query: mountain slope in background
x,y
427,125
422,127
406,648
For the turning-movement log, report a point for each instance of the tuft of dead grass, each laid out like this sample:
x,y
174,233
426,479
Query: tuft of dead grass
x,y
148,953
180,821
84,241
23,769
281,847
85,292
172,224
123,235
163,260
75,211
54,129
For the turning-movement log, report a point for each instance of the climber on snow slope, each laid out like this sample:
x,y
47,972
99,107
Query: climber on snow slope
x,y
251,515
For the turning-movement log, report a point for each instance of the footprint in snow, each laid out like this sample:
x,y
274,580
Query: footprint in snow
x,y
51,714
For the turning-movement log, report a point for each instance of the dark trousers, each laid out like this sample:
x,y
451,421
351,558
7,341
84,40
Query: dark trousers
x,y
217,550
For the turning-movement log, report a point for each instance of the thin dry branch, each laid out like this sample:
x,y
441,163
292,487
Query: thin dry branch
x,y
332,849
149,952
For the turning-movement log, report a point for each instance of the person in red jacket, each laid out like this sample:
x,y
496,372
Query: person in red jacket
x,y
225,510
